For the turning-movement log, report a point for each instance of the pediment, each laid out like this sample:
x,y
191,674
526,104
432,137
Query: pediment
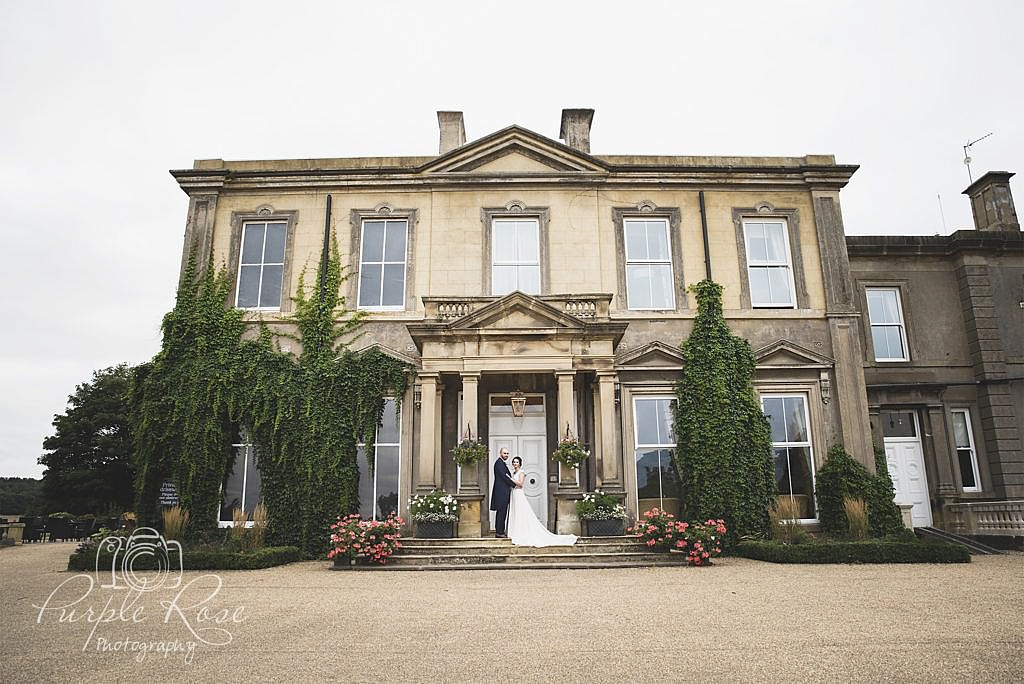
x,y
514,150
655,355
388,351
786,354
517,311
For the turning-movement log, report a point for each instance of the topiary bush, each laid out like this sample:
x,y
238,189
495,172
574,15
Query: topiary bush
x,y
842,477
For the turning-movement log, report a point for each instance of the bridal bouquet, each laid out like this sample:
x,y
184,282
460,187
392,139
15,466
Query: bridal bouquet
x,y
569,451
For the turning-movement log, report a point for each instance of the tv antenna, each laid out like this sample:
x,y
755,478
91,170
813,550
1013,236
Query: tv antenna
x,y
967,156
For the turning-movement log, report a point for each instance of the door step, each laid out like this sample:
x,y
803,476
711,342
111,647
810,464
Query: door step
x,y
975,547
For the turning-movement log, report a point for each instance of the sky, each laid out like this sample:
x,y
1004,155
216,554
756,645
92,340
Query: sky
x,y
99,100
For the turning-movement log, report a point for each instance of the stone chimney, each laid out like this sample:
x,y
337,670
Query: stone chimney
x,y
453,131
576,128
992,202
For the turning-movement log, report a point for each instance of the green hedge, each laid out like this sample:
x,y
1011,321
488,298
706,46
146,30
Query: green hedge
x,y
871,551
203,559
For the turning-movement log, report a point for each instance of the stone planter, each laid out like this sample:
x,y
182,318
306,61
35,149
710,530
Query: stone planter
x,y
343,563
435,530
615,527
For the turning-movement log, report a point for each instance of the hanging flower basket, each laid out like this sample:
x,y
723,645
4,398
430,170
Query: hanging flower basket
x,y
569,451
469,451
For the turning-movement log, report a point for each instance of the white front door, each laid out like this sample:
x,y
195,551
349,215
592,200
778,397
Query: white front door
x,y
905,459
525,437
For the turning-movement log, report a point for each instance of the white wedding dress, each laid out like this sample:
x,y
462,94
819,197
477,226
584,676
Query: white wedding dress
x,y
523,527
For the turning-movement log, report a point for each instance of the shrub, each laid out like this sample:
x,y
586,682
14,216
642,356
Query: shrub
x,y
883,513
597,505
870,551
200,559
374,540
785,526
842,477
260,519
661,531
175,522
436,507
856,518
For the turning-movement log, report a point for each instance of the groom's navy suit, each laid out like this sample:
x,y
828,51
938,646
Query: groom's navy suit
x,y
501,494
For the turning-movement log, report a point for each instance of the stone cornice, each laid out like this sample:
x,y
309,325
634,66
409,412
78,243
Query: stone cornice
x,y
936,245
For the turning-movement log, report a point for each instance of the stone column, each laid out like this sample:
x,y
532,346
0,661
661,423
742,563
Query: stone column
x,y
568,478
429,464
469,495
609,474
936,438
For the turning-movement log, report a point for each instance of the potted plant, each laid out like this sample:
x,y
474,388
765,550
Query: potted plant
x,y
569,452
469,451
372,541
603,514
660,531
434,514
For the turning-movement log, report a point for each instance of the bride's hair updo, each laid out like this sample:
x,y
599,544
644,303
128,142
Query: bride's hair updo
x,y
516,458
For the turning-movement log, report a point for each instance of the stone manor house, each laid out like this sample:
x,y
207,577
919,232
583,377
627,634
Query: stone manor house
x,y
538,288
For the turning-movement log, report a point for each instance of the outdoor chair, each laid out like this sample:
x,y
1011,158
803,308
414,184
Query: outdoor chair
x,y
60,528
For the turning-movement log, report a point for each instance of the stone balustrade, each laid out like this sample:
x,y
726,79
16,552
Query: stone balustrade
x,y
996,518
584,306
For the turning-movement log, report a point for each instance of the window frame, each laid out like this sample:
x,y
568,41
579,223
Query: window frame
x,y
667,261
495,222
237,448
902,322
972,445
263,214
637,446
376,446
806,397
384,212
790,218
514,210
405,263
647,211
769,265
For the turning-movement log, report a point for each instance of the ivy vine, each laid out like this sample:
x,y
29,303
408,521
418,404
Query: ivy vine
x,y
723,441
306,414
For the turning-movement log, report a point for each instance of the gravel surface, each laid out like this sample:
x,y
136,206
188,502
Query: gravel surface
x,y
739,620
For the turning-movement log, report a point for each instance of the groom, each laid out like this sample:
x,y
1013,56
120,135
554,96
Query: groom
x,y
501,492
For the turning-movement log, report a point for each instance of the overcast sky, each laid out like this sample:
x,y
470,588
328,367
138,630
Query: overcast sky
x,y
99,99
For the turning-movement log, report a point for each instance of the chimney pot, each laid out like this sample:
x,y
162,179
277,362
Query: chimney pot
x,y
992,202
453,131
576,128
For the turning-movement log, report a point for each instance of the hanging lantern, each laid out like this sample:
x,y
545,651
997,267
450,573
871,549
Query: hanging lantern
x,y
518,404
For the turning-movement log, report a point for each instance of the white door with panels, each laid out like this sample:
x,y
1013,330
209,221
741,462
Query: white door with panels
x,y
526,437
905,459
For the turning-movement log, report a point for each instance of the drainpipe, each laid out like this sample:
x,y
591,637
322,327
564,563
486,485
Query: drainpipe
x,y
327,248
704,229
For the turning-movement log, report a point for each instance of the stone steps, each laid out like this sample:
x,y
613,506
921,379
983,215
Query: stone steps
x,y
488,553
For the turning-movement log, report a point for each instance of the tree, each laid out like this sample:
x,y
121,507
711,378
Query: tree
x,y
88,459
723,441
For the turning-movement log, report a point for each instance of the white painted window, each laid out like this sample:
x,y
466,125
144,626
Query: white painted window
x,y
654,451
242,487
382,264
378,491
791,445
648,264
967,456
515,256
888,334
261,265
769,264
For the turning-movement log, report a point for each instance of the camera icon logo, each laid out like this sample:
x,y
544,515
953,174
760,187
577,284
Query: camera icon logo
x,y
135,559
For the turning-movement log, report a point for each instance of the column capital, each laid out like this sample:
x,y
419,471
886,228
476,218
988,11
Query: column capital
x,y
607,375
565,373
470,375
428,375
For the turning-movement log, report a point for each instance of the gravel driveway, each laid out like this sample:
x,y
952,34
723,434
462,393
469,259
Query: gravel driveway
x,y
739,620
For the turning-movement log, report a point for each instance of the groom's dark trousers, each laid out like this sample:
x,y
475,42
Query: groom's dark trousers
x,y
501,494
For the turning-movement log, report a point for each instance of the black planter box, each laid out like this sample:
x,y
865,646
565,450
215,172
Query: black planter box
x,y
614,527
435,530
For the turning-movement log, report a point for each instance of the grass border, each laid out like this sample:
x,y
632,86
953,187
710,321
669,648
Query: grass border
x,y
870,551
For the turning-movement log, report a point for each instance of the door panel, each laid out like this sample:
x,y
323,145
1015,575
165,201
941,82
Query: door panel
x,y
905,460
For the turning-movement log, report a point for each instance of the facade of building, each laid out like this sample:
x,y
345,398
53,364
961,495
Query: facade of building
x,y
538,289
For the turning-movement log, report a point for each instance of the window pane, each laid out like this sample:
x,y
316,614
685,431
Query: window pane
x,y
394,244
796,425
638,286
387,481
757,247
369,285
504,247
366,503
661,286
636,240
253,483
883,307
897,424
270,291
775,243
252,244
774,411
274,251
373,241
503,279
893,342
647,421
231,492
778,284
387,432
670,485
759,290
248,286
793,476
657,240
665,433
394,285
960,433
529,279
528,250
648,468
880,341
966,459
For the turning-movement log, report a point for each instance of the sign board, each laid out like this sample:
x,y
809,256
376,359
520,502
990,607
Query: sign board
x,y
168,494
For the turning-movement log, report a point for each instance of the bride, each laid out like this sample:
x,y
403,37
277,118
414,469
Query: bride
x,y
523,527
